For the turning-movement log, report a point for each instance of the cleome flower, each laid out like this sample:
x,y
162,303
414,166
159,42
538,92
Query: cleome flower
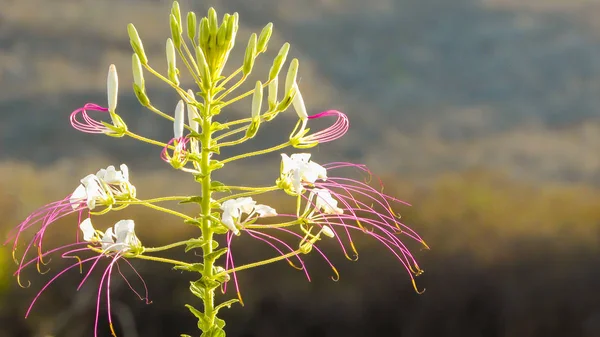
x,y
121,238
298,169
117,243
233,209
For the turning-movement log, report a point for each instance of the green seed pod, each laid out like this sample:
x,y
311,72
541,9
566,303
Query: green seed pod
x,y
136,43
250,55
279,61
192,26
263,38
175,31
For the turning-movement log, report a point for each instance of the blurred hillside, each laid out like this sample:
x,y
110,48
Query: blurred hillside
x,y
443,85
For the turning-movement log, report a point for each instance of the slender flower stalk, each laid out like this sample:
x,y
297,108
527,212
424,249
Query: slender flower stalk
x,y
328,207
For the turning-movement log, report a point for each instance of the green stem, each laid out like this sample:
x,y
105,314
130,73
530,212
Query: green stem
x,y
260,263
256,153
161,248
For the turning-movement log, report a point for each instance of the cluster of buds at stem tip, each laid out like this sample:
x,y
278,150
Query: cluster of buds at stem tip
x,y
215,41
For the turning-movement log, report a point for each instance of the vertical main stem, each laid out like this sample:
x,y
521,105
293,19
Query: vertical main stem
x,y
207,232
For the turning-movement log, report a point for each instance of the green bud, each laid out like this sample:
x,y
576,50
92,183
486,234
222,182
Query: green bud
x,y
172,62
263,38
232,28
272,97
136,43
257,99
138,74
141,95
202,65
192,26
250,55
290,79
175,31
279,61
204,33
176,12
287,101
222,35
213,21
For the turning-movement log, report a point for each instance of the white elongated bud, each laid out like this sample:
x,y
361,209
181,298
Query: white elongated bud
x,y
328,232
290,79
272,95
112,86
138,74
178,124
192,113
171,61
298,104
257,99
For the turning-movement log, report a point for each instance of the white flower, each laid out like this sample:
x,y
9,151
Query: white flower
x,y
234,208
119,238
325,202
298,104
192,113
102,187
298,168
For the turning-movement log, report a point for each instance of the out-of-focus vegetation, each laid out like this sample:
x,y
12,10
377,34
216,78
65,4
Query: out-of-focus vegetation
x,y
507,258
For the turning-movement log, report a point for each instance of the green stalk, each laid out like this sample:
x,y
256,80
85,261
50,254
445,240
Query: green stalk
x,y
207,232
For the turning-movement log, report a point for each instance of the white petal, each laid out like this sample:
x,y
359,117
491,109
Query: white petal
x,y
78,197
229,222
108,240
245,204
231,207
300,157
178,124
326,202
88,230
328,232
264,210
192,112
319,170
287,164
124,172
122,230
298,104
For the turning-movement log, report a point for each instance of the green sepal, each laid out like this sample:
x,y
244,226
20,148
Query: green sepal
x,y
216,254
195,199
207,283
218,186
220,229
219,322
194,221
197,158
203,323
194,267
195,135
194,243
253,128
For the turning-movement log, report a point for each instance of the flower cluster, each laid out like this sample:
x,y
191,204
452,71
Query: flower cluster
x,y
328,206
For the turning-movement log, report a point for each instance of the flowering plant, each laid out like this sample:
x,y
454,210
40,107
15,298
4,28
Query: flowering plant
x,y
328,206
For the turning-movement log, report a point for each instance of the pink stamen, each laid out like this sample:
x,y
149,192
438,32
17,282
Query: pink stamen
x,y
88,124
335,131
179,151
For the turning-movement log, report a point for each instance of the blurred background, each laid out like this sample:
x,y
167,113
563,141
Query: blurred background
x,y
483,114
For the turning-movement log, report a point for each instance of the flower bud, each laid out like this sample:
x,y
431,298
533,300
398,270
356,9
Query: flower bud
x,y
232,28
176,12
213,22
263,38
306,247
328,232
272,96
175,30
202,65
292,73
138,74
253,128
136,43
222,34
279,61
193,114
204,35
192,26
250,55
112,86
298,104
172,62
178,123
257,99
